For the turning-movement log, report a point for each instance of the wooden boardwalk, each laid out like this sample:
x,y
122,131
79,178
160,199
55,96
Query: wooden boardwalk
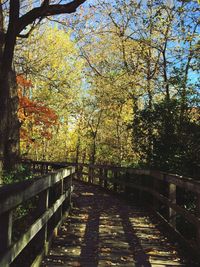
x,y
103,230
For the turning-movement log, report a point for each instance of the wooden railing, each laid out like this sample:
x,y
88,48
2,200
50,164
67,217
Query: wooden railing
x,y
45,199
175,199
167,194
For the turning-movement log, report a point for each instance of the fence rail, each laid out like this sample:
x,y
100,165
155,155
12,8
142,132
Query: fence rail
x,y
51,195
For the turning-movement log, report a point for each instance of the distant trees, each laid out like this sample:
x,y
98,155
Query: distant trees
x,y
144,56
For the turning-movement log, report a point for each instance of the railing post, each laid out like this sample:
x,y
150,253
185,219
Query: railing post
x,y
105,176
70,192
61,193
156,189
90,174
42,168
5,231
42,237
172,198
115,174
80,172
67,187
33,167
46,168
45,205
101,177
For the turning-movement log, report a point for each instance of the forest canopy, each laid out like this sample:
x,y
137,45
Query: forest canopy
x,y
115,83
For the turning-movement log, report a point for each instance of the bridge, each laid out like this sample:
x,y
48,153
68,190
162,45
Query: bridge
x,y
86,215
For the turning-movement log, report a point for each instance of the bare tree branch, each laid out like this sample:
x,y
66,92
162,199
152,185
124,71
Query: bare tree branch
x,y
47,10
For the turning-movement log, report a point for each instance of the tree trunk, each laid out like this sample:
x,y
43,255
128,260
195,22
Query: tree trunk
x,y
93,151
9,123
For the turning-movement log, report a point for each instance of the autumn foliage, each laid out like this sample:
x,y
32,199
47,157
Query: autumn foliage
x,y
36,118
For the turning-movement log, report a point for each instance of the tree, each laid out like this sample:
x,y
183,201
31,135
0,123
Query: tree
x,y
36,119
20,16
50,59
146,52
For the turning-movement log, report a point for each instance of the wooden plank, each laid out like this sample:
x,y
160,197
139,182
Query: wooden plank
x,y
15,250
14,195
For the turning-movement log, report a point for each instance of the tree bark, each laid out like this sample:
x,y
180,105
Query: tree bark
x,y
9,125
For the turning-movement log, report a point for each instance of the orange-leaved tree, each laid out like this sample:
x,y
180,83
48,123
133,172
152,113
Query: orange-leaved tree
x,y
37,120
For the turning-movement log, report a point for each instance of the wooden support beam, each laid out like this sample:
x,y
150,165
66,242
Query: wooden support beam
x,y
172,199
5,231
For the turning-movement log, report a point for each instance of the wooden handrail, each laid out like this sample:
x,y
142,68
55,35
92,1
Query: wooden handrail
x,y
13,195
185,182
54,193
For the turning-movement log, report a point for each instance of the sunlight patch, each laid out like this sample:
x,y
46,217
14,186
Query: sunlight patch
x,y
87,194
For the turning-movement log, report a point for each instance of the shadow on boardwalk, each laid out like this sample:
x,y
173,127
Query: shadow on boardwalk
x,y
102,230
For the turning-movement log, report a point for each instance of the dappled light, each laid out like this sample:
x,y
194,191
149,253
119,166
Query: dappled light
x,y
103,230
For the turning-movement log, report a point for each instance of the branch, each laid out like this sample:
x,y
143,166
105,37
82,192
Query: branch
x,y
47,10
26,35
